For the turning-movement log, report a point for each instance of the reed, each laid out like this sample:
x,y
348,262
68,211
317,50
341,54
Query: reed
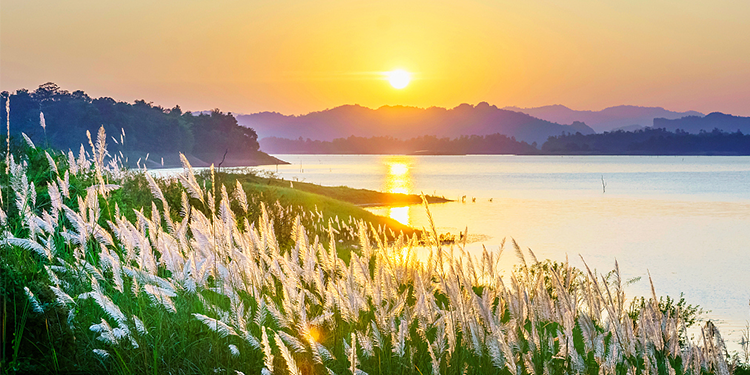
x,y
203,289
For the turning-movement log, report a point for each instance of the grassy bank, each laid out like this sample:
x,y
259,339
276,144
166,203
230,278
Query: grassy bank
x,y
110,271
360,197
154,160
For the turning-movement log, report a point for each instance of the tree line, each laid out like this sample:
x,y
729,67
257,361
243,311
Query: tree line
x,y
138,127
474,144
647,141
650,141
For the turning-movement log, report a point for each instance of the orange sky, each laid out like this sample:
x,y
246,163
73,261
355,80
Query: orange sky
x,y
299,56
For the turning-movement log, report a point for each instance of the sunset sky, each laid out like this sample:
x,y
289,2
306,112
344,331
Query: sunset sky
x,y
300,56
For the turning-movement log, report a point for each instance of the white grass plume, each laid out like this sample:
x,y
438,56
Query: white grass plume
x,y
106,333
160,296
101,353
291,364
31,246
139,326
267,354
51,162
240,196
28,140
35,305
189,181
216,325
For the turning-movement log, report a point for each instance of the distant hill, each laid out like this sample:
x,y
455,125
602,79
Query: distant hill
x,y
715,120
407,122
608,119
140,131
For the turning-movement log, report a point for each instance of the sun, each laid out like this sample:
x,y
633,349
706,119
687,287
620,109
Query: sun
x,y
399,78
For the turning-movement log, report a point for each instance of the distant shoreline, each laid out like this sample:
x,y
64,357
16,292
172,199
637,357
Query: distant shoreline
x,y
512,154
648,141
173,160
355,196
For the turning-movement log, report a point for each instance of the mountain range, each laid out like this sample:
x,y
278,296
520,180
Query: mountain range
x,y
408,122
624,117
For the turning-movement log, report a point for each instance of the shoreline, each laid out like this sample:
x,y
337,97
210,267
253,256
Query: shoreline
x,y
172,160
358,197
430,199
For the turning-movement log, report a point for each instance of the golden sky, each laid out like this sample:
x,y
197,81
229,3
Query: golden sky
x,y
300,56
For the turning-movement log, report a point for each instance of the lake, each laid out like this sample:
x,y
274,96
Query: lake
x,y
684,219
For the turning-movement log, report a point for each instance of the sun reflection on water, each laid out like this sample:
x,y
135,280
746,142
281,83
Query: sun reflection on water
x,y
398,180
400,214
398,169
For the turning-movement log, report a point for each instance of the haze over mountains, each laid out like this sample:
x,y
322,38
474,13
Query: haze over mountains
x,y
408,122
626,117
525,124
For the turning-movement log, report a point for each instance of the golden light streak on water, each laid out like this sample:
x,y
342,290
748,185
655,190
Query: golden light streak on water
x,y
398,169
400,214
398,180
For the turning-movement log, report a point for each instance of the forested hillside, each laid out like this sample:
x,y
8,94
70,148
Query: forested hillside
x,y
696,124
58,118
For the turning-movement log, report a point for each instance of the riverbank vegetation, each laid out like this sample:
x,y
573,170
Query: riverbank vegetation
x,y
108,270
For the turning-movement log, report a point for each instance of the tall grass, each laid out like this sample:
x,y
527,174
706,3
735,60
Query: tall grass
x,y
201,289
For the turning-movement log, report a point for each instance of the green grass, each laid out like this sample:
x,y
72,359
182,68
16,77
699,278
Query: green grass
x,y
361,197
329,207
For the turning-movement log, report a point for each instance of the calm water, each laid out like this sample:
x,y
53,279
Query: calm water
x,y
686,220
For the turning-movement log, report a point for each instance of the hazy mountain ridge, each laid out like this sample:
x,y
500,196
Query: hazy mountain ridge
x,y
608,119
407,122
714,120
